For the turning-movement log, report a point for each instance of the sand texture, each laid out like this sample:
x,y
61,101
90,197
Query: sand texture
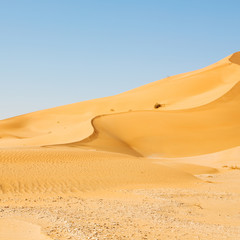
x,y
12,229
161,161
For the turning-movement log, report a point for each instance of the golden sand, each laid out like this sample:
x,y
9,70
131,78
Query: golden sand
x,y
157,162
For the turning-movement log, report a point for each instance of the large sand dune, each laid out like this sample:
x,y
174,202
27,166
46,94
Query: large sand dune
x,y
72,123
206,129
173,143
197,114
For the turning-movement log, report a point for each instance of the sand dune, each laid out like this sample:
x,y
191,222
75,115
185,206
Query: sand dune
x,y
206,129
157,162
117,141
71,123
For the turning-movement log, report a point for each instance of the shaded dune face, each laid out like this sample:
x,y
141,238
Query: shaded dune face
x,y
235,58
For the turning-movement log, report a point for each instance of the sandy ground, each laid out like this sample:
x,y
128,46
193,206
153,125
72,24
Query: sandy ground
x,y
12,229
201,203
159,162
207,211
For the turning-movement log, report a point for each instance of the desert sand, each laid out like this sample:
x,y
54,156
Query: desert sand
x,y
161,161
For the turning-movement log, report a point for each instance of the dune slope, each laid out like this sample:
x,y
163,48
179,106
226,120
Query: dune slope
x,y
64,170
210,128
112,142
72,122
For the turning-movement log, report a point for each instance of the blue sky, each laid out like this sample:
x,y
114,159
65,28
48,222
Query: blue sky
x,y
55,52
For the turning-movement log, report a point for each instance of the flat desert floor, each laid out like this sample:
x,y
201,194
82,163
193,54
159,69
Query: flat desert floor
x,y
158,162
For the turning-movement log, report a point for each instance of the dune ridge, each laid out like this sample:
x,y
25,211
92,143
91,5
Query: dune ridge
x,y
71,123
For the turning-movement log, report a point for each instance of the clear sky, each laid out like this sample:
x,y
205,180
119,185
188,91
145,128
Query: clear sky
x,y
56,52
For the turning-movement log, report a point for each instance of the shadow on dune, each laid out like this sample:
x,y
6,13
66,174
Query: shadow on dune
x,y
235,58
